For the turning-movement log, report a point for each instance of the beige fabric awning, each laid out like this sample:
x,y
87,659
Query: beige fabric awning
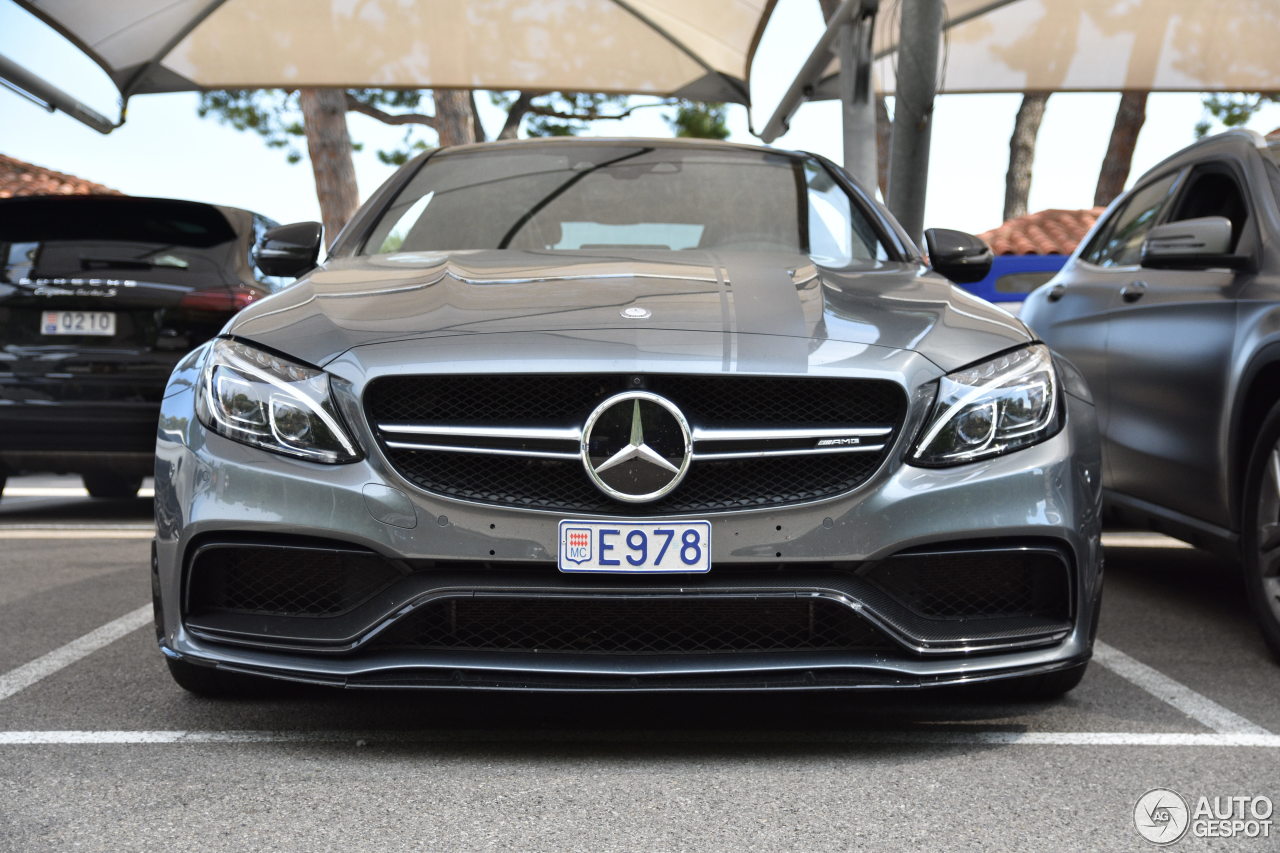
x,y
700,49
1099,45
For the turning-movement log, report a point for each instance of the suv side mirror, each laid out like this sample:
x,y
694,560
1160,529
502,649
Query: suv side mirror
x,y
1192,244
289,250
961,257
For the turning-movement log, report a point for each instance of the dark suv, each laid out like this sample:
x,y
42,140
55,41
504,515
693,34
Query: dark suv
x,y
99,298
1171,309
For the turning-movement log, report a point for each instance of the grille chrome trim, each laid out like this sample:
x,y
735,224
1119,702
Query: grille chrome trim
x,y
573,434
704,434
795,451
487,451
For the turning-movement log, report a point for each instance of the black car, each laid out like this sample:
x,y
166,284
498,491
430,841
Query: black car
x,y
99,298
1171,309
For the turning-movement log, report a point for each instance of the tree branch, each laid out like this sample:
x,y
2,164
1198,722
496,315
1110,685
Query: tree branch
x,y
515,115
590,115
357,106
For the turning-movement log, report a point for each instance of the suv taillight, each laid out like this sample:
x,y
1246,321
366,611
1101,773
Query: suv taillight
x,y
227,301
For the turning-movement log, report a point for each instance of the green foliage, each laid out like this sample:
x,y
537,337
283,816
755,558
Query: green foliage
x,y
273,114
703,121
1232,109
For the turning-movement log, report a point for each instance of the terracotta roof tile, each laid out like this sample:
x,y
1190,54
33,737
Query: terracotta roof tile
x,y
1048,232
19,178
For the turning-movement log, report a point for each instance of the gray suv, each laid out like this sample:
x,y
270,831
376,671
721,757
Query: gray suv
x,y
1171,309
626,415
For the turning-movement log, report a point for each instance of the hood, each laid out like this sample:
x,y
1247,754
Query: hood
x,y
756,296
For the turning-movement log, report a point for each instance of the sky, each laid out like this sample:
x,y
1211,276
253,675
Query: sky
x,y
165,149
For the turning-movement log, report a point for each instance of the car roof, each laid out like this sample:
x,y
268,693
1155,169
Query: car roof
x,y
1236,139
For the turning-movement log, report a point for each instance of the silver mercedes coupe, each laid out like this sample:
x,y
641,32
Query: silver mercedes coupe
x,y
625,415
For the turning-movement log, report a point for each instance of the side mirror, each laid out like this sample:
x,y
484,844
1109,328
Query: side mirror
x,y
1192,244
289,250
961,257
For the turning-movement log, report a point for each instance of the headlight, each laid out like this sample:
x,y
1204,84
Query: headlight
x,y
1000,405
270,402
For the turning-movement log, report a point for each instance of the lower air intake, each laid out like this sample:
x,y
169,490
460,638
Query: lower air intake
x,y
636,626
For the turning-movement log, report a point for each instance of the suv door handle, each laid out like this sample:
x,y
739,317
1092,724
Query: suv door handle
x,y
1133,291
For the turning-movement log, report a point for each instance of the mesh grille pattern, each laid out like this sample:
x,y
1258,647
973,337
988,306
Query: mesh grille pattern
x,y
566,400
977,586
286,582
707,401
710,486
632,626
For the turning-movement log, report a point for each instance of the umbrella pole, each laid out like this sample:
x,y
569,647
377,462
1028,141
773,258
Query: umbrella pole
x,y
917,85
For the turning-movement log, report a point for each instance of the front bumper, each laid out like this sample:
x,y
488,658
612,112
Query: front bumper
x,y
210,490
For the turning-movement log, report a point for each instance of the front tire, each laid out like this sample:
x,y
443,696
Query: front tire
x,y
1260,545
109,485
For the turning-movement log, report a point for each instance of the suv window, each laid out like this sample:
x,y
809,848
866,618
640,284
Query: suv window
x,y
1213,191
1119,242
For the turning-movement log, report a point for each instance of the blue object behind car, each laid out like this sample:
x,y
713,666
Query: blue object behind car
x,y
1012,277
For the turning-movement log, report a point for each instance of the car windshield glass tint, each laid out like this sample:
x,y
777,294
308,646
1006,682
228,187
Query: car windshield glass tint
x,y
87,237
584,197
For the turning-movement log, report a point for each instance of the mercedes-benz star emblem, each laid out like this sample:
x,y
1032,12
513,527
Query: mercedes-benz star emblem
x,y
635,312
636,446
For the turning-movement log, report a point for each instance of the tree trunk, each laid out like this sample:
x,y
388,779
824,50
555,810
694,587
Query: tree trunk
x,y
324,118
1130,117
884,144
455,121
1022,153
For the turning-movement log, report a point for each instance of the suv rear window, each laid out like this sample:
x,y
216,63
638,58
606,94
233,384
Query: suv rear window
x,y
44,237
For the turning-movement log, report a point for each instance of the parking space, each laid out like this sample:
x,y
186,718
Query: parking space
x,y
101,751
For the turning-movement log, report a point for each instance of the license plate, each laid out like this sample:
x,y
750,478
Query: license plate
x,y
648,547
78,323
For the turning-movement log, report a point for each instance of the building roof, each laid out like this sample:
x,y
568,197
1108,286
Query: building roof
x,y
18,179
1046,232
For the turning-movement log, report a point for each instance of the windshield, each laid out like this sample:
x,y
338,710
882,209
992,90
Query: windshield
x,y
586,197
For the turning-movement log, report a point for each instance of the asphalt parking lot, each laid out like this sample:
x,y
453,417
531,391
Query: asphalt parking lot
x,y
99,750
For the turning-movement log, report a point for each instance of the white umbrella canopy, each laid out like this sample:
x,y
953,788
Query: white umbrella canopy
x,y
1098,45
700,49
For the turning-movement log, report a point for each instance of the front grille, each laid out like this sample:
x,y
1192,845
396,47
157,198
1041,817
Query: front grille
x,y
708,402
635,626
285,581
977,585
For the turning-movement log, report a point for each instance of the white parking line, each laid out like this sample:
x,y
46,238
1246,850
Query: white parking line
x,y
43,667
940,738
1198,707
1141,540
44,533
59,492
